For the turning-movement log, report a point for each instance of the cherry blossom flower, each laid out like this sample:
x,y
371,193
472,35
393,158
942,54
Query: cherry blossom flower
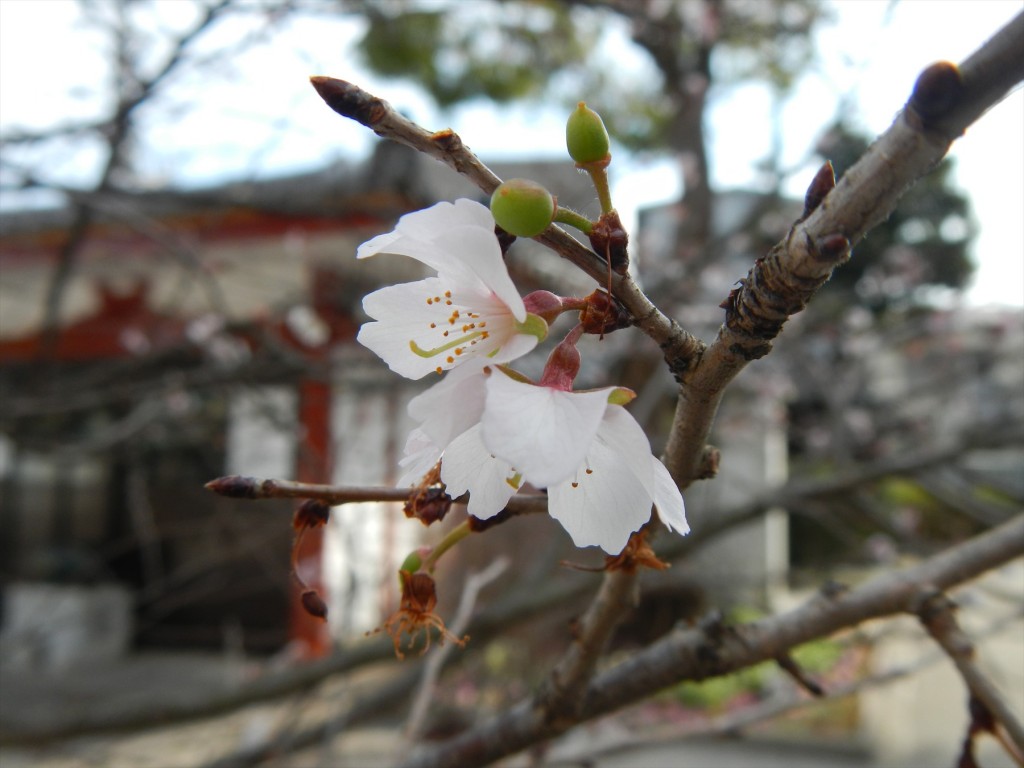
x,y
493,431
470,309
588,451
448,416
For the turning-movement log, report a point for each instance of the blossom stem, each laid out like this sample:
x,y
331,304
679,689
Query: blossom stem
x,y
599,178
454,536
573,219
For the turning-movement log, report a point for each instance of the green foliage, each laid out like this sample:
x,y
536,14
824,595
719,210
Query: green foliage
x,y
715,693
461,51
819,656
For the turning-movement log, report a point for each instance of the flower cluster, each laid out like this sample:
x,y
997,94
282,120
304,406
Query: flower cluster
x,y
491,429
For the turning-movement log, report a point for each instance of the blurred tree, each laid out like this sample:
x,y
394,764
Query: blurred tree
x,y
541,50
536,49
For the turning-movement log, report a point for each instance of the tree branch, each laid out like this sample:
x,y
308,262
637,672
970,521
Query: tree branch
x,y
944,102
713,650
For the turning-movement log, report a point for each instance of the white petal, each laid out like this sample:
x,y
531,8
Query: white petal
x,y
620,430
544,433
420,456
457,239
478,250
517,346
419,230
467,466
602,507
669,500
453,405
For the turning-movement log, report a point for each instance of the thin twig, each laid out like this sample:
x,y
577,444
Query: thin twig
x,y
936,612
243,487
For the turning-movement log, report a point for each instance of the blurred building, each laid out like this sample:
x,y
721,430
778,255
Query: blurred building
x,y
199,334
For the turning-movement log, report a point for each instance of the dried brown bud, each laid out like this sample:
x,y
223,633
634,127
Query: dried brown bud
x,y
428,505
312,513
635,555
314,604
608,238
419,592
603,313
936,91
824,181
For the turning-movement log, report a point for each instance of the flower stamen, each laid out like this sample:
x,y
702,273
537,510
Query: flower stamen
x,y
469,338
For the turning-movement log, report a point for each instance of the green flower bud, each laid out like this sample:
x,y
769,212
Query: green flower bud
x,y
412,563
522,208
585,136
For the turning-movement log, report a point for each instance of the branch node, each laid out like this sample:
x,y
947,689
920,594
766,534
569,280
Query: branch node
x,y
710,458
830,249
832,589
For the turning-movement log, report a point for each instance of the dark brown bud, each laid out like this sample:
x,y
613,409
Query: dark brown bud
x,y
235,487
350,100
936,91
603,313
314,604
833,247
312,513
429,505
609,240
824,181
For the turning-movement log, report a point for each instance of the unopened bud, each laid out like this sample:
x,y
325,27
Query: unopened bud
x,y
522,207
544,304
413,562
429,505
563,363
937,90
586,138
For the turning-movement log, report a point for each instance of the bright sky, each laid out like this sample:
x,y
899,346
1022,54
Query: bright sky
x,y
258,115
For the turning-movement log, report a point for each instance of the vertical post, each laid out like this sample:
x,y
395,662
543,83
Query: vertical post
x,y
313,465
